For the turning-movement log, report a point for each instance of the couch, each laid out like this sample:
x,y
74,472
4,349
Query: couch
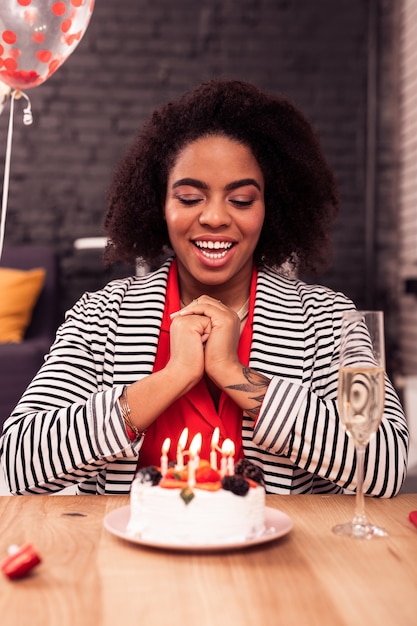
x,y
19,362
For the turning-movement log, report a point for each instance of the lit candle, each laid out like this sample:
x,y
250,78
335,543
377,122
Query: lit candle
x,y
164,456
195,447
197,459
180,449
230,460
213,453
228,448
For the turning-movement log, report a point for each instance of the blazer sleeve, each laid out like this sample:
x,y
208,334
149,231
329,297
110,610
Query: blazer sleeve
x,y
301,422
57,435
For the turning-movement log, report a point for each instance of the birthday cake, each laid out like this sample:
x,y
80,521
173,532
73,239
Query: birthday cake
x,y
214,510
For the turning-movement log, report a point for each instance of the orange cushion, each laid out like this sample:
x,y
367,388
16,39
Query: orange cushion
x,y
19,292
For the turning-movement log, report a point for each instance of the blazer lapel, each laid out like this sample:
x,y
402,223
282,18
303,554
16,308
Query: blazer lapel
x,y
278,339
139,326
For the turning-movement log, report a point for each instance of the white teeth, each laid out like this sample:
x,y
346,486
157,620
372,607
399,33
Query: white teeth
x,y
214,255
213,245
205,246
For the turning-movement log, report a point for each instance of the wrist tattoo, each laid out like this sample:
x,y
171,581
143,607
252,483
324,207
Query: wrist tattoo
x,y
256,383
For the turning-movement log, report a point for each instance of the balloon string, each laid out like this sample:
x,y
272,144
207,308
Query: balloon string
x,y
27,119
6,176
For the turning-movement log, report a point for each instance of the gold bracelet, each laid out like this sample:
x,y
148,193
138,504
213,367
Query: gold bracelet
x,y
125,409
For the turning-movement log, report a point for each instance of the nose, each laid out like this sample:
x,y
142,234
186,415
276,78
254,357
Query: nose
x,y
215,214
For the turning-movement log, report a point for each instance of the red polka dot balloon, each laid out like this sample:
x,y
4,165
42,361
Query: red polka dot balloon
x,y
37,36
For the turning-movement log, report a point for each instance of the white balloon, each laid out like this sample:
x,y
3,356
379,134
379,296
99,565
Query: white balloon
x,y
37,36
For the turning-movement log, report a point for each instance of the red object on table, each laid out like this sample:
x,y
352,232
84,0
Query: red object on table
x,y
20,562
413,517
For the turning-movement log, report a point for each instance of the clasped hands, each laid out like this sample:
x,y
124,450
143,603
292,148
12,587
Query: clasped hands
x,y
204,338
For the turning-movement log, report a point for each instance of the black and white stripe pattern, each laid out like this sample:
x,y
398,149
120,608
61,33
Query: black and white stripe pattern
x,y
68,428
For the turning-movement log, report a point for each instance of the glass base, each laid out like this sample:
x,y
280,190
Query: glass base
x,y
359,530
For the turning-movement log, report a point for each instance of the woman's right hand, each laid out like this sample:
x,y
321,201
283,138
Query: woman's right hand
x,y
188,335
152,394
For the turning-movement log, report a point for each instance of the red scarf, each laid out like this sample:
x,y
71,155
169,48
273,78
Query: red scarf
x,y
195,409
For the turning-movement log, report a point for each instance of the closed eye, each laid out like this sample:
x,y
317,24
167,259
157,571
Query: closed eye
x,y
188,200
241,204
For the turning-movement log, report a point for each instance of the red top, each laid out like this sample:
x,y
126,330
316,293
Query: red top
x,y
195,409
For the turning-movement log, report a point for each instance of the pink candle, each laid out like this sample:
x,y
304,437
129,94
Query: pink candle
x,y
195,448
214,443
227,463
164,456
180,449
230,460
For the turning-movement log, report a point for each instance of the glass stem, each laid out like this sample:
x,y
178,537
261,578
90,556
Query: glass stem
x,y
359,517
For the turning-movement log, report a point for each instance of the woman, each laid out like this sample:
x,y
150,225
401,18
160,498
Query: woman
x,y
234,183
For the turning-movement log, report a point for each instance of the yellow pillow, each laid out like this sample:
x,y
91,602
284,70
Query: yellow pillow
x,y
19,292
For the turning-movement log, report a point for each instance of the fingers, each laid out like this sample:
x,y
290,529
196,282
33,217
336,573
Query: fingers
x,y
187,339
200,306
188,326
195,301
218,327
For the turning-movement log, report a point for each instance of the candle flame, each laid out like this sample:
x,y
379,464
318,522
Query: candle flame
x,y
165,445
228,447
183,439
195,445
215,437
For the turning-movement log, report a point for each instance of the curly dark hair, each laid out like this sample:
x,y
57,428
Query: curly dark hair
x,y
300,191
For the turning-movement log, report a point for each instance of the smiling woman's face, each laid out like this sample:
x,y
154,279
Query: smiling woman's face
x,y
214,210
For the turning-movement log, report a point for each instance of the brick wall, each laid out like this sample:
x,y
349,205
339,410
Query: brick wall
x,y
407,187
387,286
138,53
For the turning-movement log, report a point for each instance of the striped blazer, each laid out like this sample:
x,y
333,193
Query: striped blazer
x,y
68,429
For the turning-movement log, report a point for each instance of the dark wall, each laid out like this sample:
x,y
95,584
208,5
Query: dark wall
x,y
137,54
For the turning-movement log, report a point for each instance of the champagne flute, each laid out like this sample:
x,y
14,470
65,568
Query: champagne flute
x,y
360,398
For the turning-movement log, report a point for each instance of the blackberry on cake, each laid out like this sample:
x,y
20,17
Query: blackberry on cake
x,y
247,469
150,474
236,484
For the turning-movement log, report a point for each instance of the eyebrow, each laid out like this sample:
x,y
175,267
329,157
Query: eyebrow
x,y
243,183
192,182
199,184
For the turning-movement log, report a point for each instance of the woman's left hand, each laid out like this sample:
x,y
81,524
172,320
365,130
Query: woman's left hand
x,y
220,355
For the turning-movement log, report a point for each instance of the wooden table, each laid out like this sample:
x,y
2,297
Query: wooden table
x,y
89,577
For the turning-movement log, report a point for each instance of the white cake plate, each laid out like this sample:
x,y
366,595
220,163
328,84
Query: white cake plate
x,y
277,524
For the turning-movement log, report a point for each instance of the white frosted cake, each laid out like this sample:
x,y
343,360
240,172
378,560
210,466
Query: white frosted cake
x,y
167,511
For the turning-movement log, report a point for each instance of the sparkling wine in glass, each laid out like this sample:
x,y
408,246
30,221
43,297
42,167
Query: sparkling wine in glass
x,y
361,394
